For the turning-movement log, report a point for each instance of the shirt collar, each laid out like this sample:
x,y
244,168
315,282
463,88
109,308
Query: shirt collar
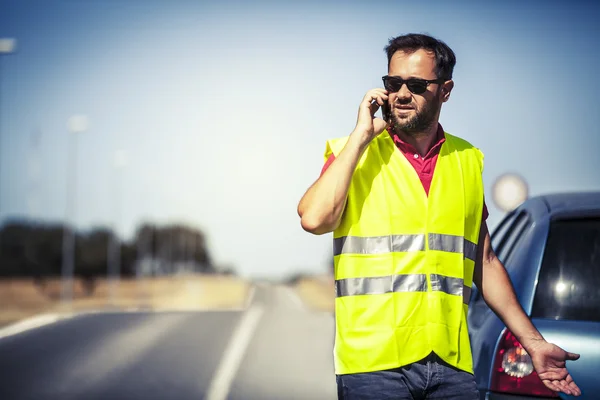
x,y
408,148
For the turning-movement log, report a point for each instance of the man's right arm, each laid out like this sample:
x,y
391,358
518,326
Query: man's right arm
x,y
322,206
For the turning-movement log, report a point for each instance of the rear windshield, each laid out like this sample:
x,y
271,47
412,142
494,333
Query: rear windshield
x,y
569,282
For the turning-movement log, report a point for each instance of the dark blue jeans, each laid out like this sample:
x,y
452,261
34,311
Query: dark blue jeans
x,y
430,378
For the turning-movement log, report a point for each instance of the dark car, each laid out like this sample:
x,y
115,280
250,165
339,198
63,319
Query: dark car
x,y
550,246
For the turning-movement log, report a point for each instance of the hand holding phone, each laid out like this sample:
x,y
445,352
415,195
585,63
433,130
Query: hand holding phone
x,y
385,109
367,125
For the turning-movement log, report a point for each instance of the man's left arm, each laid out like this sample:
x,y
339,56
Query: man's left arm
x,y
496,288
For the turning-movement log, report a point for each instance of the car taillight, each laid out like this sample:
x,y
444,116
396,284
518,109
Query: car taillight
x,y
513,370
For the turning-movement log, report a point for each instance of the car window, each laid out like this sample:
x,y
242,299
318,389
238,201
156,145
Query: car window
x,y
504,240
521,222
569,282
500,232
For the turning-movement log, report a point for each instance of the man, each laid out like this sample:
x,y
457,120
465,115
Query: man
x,y
404,200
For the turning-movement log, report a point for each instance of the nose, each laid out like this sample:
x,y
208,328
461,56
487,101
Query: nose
x,y
403,94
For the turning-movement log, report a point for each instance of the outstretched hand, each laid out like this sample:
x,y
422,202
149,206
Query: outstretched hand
x,y
549,362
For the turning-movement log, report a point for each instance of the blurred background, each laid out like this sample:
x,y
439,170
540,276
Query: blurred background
x,y
153,153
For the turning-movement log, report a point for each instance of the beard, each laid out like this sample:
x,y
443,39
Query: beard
x,y
420,122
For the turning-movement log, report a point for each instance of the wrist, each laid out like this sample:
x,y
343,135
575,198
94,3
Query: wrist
x,y
531,342
359,139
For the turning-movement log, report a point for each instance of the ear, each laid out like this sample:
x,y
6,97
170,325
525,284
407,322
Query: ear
x,y
446,89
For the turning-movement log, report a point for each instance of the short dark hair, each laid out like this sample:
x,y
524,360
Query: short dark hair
x,y
445,58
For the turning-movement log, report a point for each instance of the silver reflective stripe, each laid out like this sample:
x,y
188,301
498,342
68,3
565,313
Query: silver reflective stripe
x,y
466,294
446,284
450,243
453,244
470,250
378,244
409,283
453,286
381,285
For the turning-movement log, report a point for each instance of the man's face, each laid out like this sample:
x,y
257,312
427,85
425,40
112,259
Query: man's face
x,y
415,113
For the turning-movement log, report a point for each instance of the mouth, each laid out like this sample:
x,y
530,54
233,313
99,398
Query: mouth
x,y
403,109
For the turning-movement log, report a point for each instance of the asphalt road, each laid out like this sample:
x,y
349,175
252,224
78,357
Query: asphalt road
x,y
274,349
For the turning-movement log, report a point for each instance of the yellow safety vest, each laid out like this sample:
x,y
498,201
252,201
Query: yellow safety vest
x,y
403,260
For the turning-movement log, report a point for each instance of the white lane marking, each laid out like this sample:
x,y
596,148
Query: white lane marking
x,y
250,297
295,297
293,294
234,354
29,323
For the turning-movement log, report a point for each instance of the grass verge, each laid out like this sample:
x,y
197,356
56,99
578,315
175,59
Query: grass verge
x,y
24,298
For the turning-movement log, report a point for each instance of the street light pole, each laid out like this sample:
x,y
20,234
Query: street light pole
x,y
77,124
7,46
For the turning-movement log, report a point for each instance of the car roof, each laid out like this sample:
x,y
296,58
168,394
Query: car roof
x,y
574,201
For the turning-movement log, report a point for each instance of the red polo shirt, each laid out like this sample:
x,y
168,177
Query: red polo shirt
x,y
423,165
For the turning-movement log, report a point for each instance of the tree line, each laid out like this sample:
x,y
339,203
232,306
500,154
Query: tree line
x,y
35,249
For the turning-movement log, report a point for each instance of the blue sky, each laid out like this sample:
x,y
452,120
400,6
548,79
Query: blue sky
x,y
224,108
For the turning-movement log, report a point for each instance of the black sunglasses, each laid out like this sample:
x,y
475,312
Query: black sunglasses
x,y
415,85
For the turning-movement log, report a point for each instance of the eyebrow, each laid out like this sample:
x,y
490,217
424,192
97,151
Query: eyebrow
x,y
412,77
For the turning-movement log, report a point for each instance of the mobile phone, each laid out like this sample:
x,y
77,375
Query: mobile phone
x,y
385,111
